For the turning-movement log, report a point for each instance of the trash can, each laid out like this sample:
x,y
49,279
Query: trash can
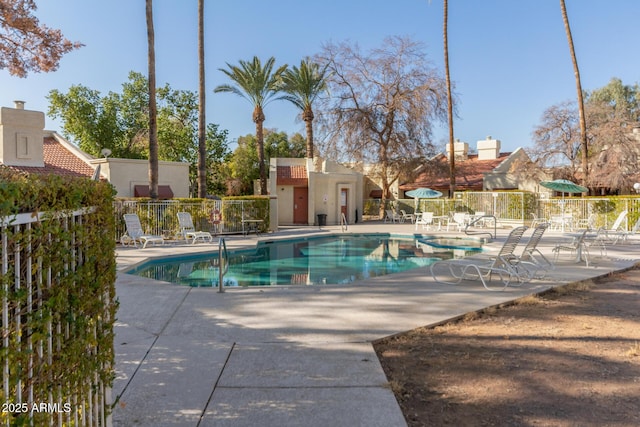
x,y
322,220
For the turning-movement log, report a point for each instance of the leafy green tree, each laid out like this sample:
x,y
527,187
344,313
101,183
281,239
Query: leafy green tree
x,y
245,165
624,99
297,146
244,161
258,84
94,122
302,86
278,144
119,121
217,160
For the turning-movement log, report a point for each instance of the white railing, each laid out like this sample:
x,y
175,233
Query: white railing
x,y
160,218
518,208
27,354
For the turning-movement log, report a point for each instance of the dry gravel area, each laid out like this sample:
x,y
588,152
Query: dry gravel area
x,y
570,357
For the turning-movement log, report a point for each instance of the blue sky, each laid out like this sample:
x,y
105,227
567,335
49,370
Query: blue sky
x,y
509,59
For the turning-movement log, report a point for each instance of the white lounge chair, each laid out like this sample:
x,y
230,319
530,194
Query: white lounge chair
x,y
459,220
407,216
617,232
504,265
425,219
391,216
531,257
636,227
136,234
535,220
188,231
478,219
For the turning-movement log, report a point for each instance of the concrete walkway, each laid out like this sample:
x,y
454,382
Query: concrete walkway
x,y
291,355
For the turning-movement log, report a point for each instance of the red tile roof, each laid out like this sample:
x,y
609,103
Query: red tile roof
x,y
292,175
469,174
58,161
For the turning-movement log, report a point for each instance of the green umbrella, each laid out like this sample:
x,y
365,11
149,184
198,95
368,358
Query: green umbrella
x,y
564,186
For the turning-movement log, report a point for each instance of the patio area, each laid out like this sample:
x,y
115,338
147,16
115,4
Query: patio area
x,y
277,355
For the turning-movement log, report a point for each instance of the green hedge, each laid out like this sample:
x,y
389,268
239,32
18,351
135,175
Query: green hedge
x,y
58,288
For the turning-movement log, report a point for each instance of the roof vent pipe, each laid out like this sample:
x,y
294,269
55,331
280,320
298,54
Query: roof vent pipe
x,y
19,105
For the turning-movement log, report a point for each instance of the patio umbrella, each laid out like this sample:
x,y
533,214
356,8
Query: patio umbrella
x,y
423,193
564,186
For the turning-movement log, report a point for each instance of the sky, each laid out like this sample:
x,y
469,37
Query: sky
x,y
509,59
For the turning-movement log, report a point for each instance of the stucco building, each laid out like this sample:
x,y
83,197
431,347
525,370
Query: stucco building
x,y
26,147
488,170
306,188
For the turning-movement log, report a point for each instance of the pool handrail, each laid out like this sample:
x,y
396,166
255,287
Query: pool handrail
x,y
223,263
482,218
343,222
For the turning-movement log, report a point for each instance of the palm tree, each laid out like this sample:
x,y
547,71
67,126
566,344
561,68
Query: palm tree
x,y
153,126
258,85
302,86
452,161
202,125
583,123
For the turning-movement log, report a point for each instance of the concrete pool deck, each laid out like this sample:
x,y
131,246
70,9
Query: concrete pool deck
x,y
290,355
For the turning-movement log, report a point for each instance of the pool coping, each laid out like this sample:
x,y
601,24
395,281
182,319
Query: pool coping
x,y
199,256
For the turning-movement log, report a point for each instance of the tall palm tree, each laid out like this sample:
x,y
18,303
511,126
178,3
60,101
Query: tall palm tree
x,y
452,161
583,122
202,125
258,84
153,111
302,86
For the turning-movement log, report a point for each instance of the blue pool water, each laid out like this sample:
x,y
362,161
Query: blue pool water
x,y
336,259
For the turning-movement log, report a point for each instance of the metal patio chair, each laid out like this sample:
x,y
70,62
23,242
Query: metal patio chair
x,y
504,265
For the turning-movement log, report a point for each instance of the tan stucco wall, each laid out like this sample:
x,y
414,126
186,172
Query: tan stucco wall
x,y
326,195
323,190
21,133
124,174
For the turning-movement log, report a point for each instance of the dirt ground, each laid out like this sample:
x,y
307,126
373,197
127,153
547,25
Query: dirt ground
x,y
568,358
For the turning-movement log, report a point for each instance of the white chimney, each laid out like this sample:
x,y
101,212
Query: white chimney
x,y
488,149
460,150
21,136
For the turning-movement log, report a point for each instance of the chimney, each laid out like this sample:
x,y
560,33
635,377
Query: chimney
x,y
488,149
460,150
21,136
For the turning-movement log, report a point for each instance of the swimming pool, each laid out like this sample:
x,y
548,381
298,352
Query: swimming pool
x,y
335,259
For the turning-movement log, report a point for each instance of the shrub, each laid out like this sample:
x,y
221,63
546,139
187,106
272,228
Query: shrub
x,y
58,292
